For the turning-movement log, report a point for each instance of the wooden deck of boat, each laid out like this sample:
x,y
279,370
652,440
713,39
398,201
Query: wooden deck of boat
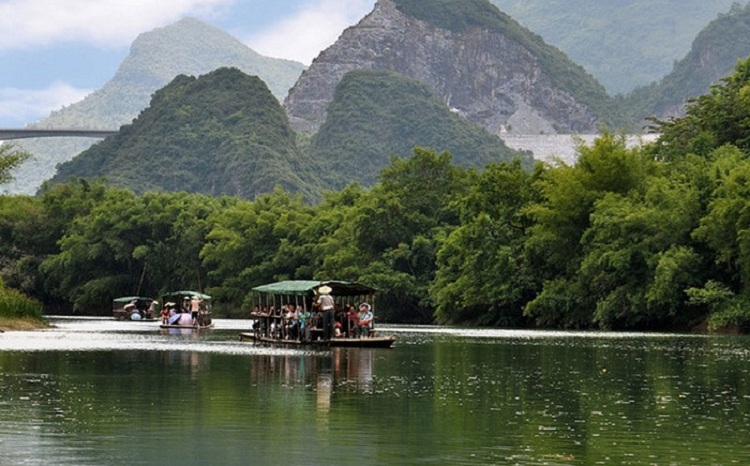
x,y
189,327
367,342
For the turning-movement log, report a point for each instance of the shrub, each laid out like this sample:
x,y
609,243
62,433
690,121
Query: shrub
x,y
15,305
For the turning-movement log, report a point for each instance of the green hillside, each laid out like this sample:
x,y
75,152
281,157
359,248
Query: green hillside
x,y
187,47
221,133
714,54
624,44
377,114
459,15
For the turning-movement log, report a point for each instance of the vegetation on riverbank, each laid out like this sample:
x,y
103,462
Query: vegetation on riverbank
x,y
654,238
19,312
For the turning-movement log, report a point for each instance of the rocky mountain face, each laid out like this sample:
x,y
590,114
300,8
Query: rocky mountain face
x,y
486,73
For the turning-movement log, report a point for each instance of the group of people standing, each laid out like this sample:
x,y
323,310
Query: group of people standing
x,y
324,320
189,313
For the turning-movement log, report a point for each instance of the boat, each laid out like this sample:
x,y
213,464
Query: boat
x,y
337,342
187,309
135,308
271,326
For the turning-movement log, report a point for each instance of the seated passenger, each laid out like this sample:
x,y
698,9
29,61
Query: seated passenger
x,y
364,324
351,320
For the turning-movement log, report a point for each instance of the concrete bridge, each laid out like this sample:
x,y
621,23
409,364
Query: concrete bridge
x,y
8,134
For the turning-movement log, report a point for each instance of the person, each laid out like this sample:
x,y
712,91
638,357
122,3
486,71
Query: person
x,y
291,322
351,322
195,306
364,325
305,321
165,314
152,309
326,307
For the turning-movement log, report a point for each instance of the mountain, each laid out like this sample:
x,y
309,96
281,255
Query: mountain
x,y
477,59
377,114
623,44
187,47
714,54
221,133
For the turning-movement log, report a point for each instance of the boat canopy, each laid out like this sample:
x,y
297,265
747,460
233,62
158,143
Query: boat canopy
x,y
141,300
191,294
130,299
308,287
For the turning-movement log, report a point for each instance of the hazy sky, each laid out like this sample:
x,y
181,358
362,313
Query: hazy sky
x,y
54,52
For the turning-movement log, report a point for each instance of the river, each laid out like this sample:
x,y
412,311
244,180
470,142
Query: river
x,y
100,392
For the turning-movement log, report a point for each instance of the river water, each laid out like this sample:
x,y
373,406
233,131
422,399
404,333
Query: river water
x,y
100,392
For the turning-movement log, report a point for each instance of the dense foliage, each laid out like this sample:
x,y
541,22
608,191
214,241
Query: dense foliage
x,y
626,238
459,15
222,133
376,114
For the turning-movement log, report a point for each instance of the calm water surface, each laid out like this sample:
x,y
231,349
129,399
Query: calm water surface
x,y
100,392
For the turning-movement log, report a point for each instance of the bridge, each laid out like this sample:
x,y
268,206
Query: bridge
x,y
8,134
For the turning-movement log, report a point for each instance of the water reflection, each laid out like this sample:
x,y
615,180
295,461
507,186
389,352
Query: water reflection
x,y
90,392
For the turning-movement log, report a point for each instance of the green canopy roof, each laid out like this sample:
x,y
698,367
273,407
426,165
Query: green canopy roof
x,y
307,288
130,299
183,293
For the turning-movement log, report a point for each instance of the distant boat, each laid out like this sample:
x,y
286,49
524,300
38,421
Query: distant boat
x,y
133,308
272,326
188,310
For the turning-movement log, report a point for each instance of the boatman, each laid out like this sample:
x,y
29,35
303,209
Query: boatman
x,y
325,300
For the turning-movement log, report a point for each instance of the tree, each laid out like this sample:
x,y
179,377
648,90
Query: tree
x,y
481,276
561,217
712,120
10,158
127,245
255,242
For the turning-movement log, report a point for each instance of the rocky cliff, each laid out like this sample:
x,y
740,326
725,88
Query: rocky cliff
x,y
480,62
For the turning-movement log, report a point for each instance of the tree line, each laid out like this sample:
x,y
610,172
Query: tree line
x,y
650,238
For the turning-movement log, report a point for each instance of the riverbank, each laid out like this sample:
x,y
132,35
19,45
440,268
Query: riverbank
x,y
21,323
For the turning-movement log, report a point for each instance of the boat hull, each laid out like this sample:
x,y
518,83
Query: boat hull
x,y
188,327
368,342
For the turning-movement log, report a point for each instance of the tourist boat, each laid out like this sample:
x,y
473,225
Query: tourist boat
x,y
270,325
135,308
182,305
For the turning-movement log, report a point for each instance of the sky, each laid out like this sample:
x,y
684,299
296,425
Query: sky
x,y
55,52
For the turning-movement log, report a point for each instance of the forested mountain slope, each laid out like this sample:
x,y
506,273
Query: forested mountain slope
x,y
714,54
377,114
187,47
221,133
624,44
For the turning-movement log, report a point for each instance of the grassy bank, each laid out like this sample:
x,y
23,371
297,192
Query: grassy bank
x,y
21,324
19,312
